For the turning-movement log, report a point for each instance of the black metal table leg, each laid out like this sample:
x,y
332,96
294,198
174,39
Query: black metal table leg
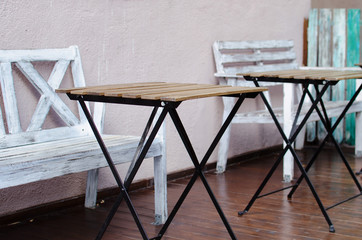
x,y
330,129
295,131
123,187
199,167
168,97
168,109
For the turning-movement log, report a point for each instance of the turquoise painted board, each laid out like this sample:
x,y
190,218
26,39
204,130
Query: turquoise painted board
x,y
324,53
333,40
353,47
339,60
312,60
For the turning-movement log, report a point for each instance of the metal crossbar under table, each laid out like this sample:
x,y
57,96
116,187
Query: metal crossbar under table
x,y
168,97
306,78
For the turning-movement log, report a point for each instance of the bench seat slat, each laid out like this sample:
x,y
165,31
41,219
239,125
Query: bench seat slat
x,y
50,159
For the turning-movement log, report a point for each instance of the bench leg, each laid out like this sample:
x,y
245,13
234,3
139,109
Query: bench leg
x,y
91,190
358,135
224,141
288,160
160,173
299,142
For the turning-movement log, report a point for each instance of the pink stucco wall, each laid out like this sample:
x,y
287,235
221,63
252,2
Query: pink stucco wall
x,y
141,40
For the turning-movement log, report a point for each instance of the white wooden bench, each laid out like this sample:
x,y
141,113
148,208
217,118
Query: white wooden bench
x,y
66,145
232,57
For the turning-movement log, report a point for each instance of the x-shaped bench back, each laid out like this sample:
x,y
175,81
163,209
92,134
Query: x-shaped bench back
x,y
11,130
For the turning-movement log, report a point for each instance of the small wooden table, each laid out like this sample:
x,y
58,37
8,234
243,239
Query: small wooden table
x,y
307,77
167,96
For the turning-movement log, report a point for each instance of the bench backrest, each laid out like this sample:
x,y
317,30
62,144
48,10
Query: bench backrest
x,y
233,57
17,68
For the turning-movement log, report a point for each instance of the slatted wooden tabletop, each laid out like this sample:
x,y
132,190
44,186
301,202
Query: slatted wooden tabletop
x,y
320,74
173,92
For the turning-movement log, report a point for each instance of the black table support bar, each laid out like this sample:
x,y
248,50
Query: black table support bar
x,y
299,109
199,166
122,187
279,190
142,141
291,149
330,131
346,200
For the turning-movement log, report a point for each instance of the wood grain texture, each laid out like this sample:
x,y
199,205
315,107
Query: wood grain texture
x,y
56,158
173,92
312,74
271,217
312,60
353,56
333,39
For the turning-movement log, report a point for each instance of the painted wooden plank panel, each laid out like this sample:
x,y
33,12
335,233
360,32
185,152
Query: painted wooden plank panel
x,y
262,56
324,53
9,98
44,103
40,84
64,157
217,55
339,59
2,125
312,61
78,78
37,55
245,45
25,138
353,48
255,68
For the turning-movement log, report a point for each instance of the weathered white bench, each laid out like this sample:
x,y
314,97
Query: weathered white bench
x,y
232,57
66,144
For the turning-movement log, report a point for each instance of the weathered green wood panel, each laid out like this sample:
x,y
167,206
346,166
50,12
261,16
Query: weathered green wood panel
x,y
324,53
339,60
333,40
353,47
312,59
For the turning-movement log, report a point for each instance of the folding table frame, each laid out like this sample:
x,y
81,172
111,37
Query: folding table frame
x,y
169,107
293,135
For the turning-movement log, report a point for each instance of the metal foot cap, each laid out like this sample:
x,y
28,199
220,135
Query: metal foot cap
x,y
241,213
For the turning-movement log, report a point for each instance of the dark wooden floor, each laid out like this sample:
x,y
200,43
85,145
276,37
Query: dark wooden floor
x,y
271,217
